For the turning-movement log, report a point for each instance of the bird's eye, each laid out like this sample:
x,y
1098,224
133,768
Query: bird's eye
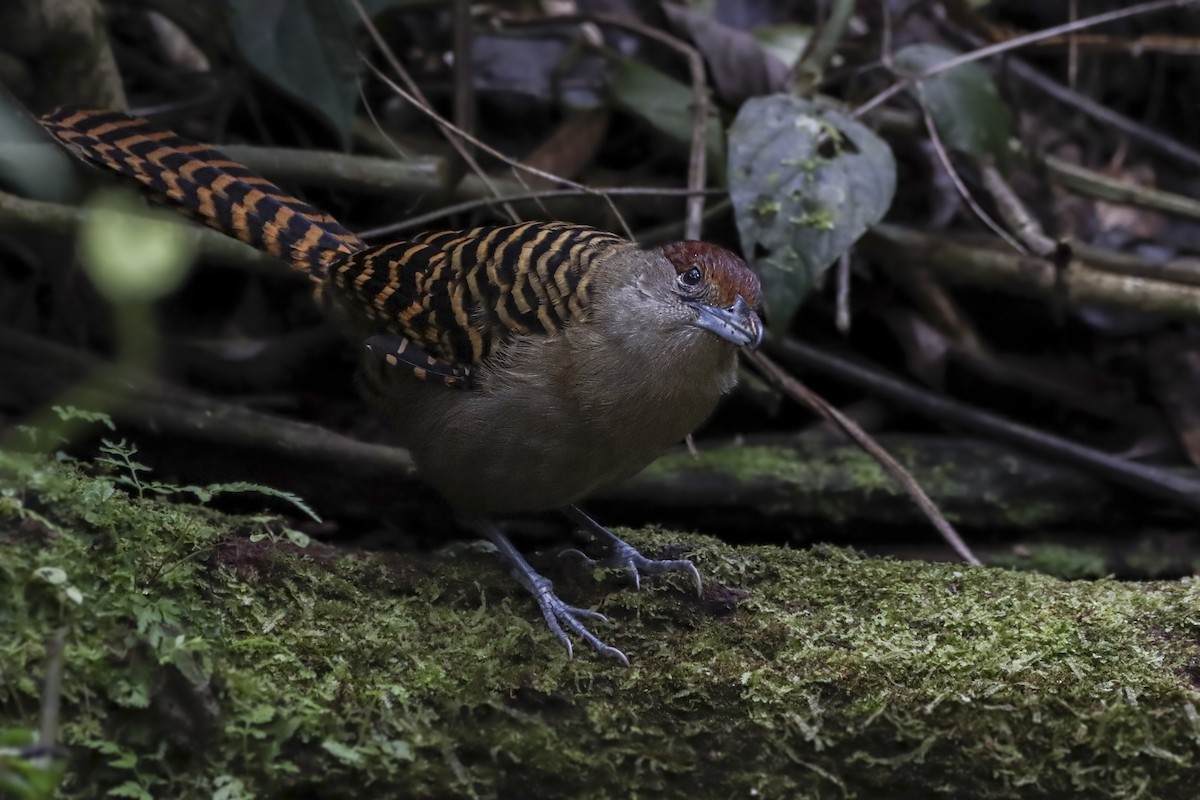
x,y
691,277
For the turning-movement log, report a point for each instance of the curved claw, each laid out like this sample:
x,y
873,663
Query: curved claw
x,y
559,614
626,557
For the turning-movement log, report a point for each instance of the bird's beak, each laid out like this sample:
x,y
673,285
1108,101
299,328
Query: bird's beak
x,y
737,324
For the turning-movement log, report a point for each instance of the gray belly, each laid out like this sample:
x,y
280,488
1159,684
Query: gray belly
x,y
523,445
506,454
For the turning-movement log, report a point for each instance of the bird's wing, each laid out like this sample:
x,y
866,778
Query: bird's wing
x,y
440,304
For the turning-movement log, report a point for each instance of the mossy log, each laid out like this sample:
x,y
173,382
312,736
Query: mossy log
x,y
781,479
207,655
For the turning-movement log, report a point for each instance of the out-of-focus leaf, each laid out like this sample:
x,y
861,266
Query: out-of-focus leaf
x,y
539,65
740,67
744,15
30,163
786,42
133,253
963,102
806,181
666,104
307,49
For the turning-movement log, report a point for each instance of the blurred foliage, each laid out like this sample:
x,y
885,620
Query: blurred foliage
x,y
218,656
308,49
134,254
964,103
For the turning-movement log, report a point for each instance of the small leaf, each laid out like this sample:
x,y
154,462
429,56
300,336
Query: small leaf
x,y
205,493
806,181
965,106
343,753
298,538
67,413
397,750
51,575
227,787
131,789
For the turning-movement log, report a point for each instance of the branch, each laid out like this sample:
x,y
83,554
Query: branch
x,y
963,260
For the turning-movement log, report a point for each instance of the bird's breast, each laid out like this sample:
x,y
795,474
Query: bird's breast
x,y
554,418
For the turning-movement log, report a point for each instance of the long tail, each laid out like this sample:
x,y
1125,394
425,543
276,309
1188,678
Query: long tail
x,y
207,185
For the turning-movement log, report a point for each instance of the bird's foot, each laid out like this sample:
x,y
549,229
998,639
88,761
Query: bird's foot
x,y
625,557
560,617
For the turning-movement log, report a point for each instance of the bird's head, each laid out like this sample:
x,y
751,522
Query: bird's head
x,y
717,292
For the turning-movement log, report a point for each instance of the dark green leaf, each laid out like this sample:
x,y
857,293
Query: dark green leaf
x,y
806,181
666,104
963,102
306,49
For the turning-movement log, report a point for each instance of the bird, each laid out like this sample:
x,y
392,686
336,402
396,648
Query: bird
x,y
524,366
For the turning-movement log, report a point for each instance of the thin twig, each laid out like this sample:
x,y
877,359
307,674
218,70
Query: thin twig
x,y
1080,179
417,98
1151,481
52,691
1017,43
470,205
464,86
20,214
1107,117
1093,183
975,261
843,294
801,393
697,163
698,154
673,229
1016,216
491,151
341,170
939,148
381,136
810,66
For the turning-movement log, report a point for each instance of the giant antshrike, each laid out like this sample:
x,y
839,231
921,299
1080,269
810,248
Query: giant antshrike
x,y
525,365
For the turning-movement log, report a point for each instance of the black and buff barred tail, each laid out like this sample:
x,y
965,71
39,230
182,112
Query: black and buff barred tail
x,y
206,185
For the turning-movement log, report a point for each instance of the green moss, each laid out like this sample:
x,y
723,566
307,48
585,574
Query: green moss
x,y
783,463
1057,560
200,661
821,220
821,483
831,481
765,207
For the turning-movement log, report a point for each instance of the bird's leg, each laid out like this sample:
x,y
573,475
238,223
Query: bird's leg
x,y
626,557
557,613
